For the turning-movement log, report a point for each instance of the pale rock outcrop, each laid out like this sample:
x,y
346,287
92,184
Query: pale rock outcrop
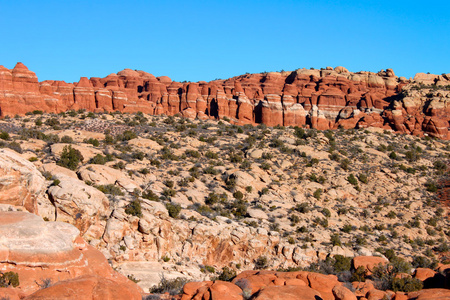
x,y
20,182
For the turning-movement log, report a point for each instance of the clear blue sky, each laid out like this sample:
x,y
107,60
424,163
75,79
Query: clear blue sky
x,y
204,40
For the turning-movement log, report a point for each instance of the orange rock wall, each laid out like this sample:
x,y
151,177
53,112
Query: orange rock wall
x,y
321,99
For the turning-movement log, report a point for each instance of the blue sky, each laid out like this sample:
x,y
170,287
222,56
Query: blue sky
x,y
205,40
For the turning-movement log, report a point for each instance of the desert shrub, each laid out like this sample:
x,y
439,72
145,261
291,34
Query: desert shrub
x,y
352,180
52,122
227,274
9,279
4,135
235,158
393,155
169,192
431,187
334,156
211,155
208,269
212,198
412,155
265,166
210,170
134,208
321,221
192,153
303,208
45,283
238,195
384,275
149,195
359,274
342,263
171,286
67,139
139,155
92,141
363,178
423,262
238,208
443,247
347,228
440,165
126,136
406,284
317,194
14,146
100,159
110,189
70,158
335,240
173,209
261,263
345,164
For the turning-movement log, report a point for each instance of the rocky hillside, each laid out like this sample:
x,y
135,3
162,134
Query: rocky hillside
x,y
320,99
187,198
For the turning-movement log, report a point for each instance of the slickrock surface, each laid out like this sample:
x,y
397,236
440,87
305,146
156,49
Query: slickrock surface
x,y
20,182
52,251
321,99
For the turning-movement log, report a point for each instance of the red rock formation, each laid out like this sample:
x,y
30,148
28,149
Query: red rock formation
x,y
37,250
321,99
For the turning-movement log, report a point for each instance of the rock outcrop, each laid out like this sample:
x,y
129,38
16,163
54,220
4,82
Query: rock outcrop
x,y
20,182
40,251
321,99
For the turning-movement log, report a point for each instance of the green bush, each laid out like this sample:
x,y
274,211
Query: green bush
x,y
342,263
317,194
261,263
363,178
227,274
150,195
173,209
70,158
100,159
4,135
238,195
134,208
66,140
352,180
345,164
359,274
9,279
110,189
407,284
431,187
92,141
335,240
171,286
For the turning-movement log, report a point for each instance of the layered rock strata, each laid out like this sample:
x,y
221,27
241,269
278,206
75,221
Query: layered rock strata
x,y
321,99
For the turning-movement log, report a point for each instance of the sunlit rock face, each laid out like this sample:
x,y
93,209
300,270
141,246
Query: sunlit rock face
x,y
321,99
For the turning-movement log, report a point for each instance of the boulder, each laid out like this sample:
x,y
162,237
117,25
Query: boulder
x,y
51,251
88,287
288,292
20,182
78,203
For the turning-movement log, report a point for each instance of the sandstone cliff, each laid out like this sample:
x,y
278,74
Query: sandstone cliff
x,y
321,99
